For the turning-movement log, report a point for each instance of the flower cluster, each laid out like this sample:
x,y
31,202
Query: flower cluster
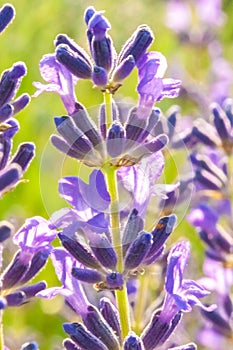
x,y
27,261
104,238
123,278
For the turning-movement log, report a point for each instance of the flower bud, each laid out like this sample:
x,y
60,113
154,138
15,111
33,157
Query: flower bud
x,y
24,155
78,251
138,250
137,44
76,64
99,76
97,325
7,13
86,275
82,337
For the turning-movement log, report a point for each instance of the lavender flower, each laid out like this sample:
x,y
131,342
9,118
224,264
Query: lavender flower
x,y
70,62
104,237
11,170
182,18
33,240
180,296
122,146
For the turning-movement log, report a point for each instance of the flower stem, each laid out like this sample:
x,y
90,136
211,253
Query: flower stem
x,y
108,108
111,181
121,295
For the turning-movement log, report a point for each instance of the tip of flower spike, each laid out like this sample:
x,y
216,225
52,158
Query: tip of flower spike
x,y
7,13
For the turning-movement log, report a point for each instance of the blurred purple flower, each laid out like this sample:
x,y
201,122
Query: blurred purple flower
x,y
178,15
181,17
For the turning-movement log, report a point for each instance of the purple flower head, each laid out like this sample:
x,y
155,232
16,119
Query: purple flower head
x,y
60,81
181,294
118,144
34,240
106,70
152,87
203,217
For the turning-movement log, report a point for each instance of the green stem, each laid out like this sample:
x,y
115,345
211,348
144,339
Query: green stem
x,y
121,295
108,108
1,332
110,176
111,181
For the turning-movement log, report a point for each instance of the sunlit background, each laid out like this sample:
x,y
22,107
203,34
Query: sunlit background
x,y
27,39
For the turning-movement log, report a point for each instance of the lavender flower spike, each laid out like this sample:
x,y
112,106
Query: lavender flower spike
x,y
34,240
7,13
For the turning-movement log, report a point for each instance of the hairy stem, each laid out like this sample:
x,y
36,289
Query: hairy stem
x,y
111,181
108,108
121,295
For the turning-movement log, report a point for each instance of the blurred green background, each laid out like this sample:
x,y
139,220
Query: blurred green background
x,y
27,39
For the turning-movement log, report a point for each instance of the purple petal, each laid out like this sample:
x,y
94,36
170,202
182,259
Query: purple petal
x,y
140,179
177,260
35,235
60,81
